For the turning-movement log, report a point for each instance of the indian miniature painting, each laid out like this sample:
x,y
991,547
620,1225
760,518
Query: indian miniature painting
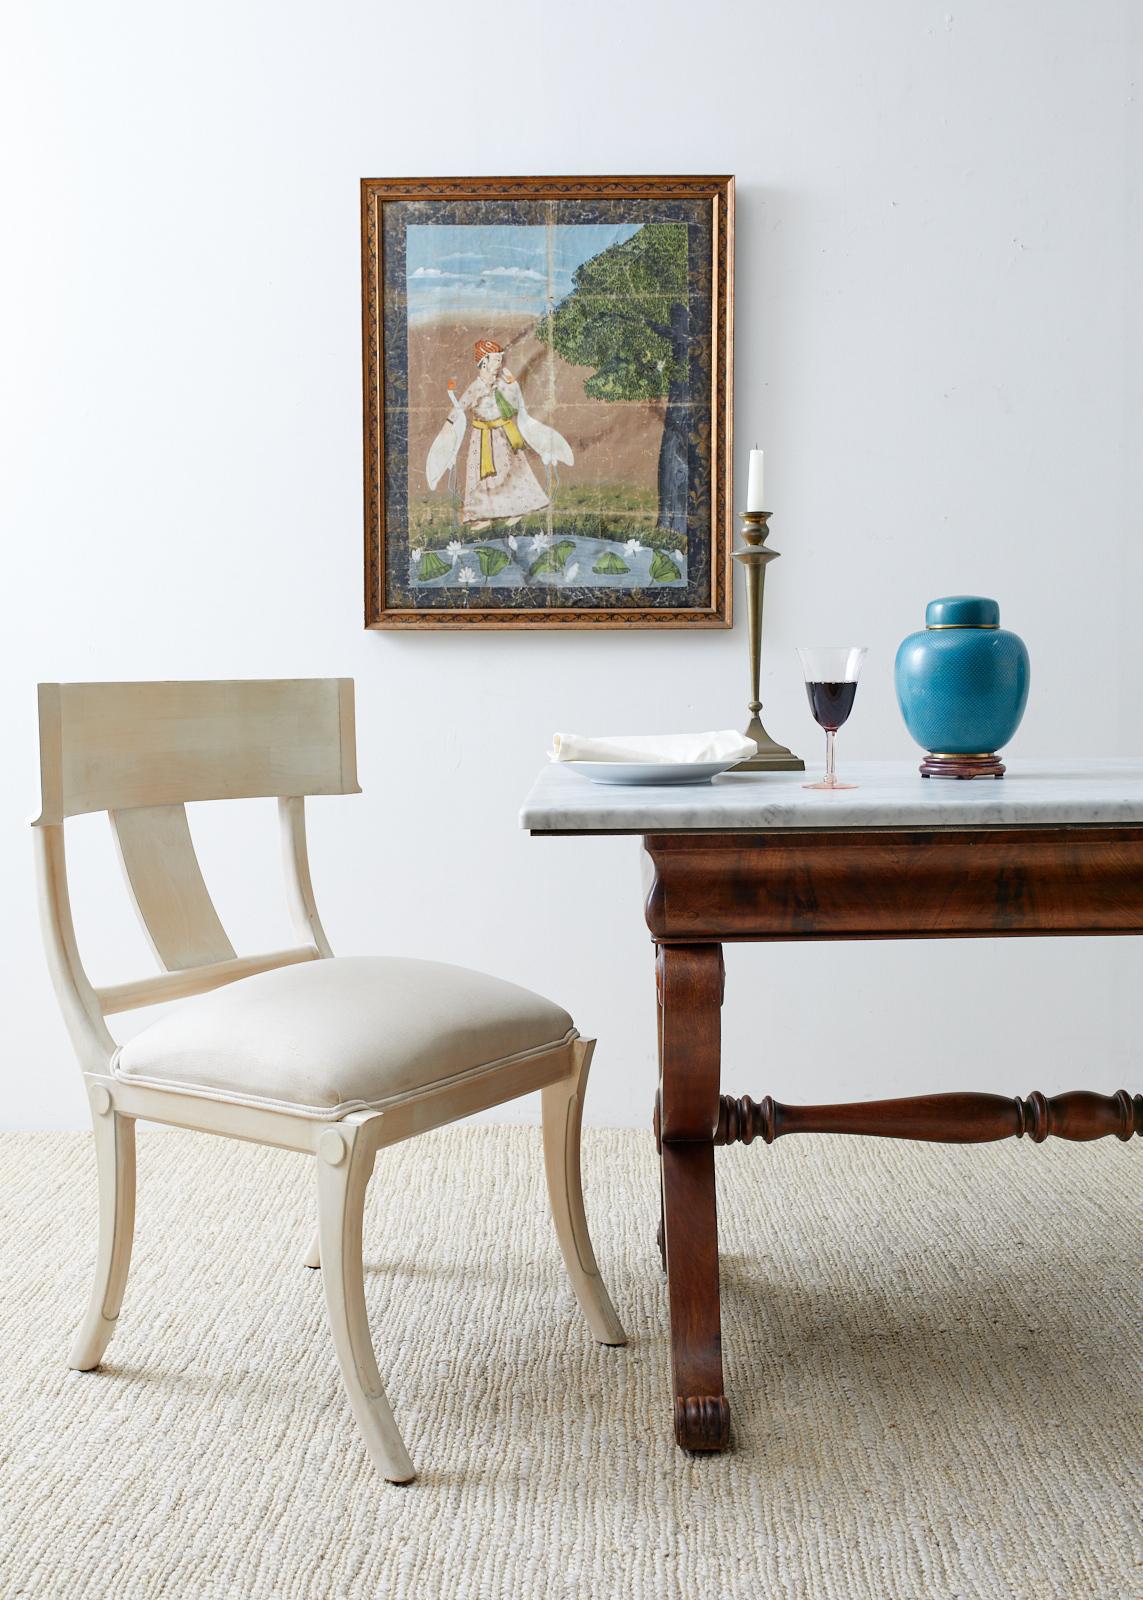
x,y
547,378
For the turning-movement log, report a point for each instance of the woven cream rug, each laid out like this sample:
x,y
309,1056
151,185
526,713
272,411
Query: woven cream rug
x,y
935,1358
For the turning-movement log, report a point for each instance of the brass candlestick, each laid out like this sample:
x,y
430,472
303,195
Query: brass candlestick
x,y
771,757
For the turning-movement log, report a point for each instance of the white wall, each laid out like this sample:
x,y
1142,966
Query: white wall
x,y
939,341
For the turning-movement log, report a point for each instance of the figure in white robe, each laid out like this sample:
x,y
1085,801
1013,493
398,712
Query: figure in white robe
x,y
499,484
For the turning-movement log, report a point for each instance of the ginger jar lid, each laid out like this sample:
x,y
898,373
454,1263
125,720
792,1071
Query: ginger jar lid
x,y
962,611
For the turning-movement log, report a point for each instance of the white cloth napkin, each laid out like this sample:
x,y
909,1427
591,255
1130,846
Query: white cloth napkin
x,y
653,748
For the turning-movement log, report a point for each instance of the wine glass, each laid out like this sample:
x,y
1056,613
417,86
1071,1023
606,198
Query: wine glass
x,y
831,673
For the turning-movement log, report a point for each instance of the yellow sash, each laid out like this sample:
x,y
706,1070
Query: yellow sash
x,y
515,439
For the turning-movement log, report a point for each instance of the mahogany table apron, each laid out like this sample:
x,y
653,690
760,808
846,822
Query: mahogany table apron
x,y
705,889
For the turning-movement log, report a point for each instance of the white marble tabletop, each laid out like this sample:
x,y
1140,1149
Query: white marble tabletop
x,y
890,794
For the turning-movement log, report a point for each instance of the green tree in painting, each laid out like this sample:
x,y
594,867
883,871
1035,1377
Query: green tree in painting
x,y
627,316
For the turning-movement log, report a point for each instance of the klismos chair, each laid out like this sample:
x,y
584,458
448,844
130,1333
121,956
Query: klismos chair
x,y
337,1058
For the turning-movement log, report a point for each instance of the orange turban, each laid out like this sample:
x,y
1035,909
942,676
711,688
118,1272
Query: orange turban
x,y
487,347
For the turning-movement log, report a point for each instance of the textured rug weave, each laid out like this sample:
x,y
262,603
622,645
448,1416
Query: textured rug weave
x,y
934,1355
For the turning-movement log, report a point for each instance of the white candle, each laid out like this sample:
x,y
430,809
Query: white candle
x,y
754,500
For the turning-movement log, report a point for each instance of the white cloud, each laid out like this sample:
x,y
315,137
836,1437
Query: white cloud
x,y
512,272
433,272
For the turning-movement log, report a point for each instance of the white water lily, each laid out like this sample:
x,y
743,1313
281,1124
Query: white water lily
x,y
512,542
632,547
572,571
415,554
466,576
454,548
541,541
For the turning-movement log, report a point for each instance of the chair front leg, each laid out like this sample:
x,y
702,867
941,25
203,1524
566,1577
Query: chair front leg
x,y
115,1167
312,1257
562,1106
345,1156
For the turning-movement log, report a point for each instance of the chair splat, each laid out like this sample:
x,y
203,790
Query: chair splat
x,y
168,888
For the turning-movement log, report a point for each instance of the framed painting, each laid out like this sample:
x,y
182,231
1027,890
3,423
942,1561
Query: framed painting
x,y
547,374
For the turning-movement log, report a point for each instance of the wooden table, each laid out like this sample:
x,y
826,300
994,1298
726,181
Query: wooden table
x,y
1050,849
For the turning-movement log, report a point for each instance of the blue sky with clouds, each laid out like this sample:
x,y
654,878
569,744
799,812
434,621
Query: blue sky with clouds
x,y
458,268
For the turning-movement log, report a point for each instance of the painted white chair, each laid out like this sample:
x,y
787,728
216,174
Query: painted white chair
x,y
338,1058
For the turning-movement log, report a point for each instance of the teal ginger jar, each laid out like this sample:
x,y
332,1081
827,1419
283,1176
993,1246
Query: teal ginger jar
x,y
962,685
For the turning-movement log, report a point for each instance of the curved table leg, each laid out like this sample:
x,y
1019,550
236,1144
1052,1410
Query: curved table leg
x,y
690,995
660,1235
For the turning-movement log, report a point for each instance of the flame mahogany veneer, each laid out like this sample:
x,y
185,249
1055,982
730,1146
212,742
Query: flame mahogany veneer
x,y
705,889
909,884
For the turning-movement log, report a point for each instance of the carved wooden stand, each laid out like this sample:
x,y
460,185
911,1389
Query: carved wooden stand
x,y
982,766
703,889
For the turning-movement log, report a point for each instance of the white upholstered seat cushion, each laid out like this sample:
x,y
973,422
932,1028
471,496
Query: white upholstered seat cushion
x,y
328,1037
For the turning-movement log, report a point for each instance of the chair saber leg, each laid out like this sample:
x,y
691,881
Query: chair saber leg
x,y
312,1257
115,1163
562,1109
345,1164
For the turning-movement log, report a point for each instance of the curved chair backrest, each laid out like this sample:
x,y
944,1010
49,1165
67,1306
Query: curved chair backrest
x,y
139,751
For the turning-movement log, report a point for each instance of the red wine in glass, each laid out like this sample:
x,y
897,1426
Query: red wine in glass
x,y
831,703
831,675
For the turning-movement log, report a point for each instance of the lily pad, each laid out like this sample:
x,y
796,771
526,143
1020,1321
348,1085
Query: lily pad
x,y
431,565
663,569
548,562
611,564
491,559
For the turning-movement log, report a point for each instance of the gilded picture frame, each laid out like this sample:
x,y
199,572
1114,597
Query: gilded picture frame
x,y
547,370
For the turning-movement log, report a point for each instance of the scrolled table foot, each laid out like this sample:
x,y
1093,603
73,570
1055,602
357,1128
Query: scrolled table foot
x,y
692,996
702,1421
